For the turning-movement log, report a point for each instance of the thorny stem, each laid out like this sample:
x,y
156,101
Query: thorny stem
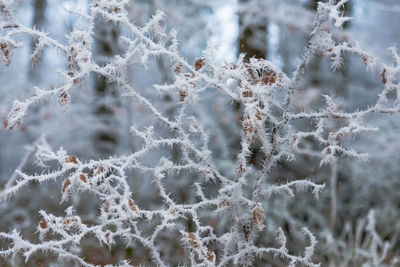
x,y
110,183
263,176
320,17
333,195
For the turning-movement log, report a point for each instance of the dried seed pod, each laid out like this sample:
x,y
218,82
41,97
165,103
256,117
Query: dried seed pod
x,y
247,94
258,114
258,216
6,51
269,78
210,256
192,240
383,75
199,64
178,68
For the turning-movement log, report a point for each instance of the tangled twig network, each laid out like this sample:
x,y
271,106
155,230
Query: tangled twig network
x,y
265,93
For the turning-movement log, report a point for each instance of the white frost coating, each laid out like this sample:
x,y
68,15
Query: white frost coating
x,y
259,83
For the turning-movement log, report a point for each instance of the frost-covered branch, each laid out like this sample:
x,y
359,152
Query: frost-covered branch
x,y
265,94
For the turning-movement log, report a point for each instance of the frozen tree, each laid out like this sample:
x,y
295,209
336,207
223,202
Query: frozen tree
x,y
222,217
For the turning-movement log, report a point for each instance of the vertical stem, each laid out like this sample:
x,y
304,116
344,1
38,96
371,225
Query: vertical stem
x,y
333,191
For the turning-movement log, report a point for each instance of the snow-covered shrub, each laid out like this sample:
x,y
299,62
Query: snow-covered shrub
x,y
205,202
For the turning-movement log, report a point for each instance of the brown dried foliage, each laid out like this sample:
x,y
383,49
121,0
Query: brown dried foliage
x,y
83,178
258,114
199,64
71,159
209,255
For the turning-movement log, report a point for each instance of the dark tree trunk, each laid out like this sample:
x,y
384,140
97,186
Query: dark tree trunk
x,y
39,10
252,38
105,140
38,21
